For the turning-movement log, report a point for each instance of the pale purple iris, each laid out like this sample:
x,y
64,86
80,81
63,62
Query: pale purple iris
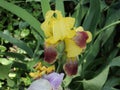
x,y
51,81
40,84
55,79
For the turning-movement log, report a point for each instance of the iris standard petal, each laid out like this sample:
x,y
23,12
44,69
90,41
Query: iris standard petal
x,y
48,15
58,14
55,79
62,28
50,54
72,48
47,27
69,21
57,26
61,31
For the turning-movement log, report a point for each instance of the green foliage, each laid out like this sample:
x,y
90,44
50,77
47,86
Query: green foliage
x,y
23,14
22,42
60,6
92,17
45,6
97,82
4,71
18,43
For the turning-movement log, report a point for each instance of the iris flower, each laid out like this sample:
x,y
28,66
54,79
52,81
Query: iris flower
x,y
55,80
51,81
58,28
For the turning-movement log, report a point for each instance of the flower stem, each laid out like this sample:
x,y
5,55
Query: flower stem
x,y
36,49
59,65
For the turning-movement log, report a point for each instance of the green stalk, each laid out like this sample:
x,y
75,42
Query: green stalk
x,y
36,49
108,26
59,65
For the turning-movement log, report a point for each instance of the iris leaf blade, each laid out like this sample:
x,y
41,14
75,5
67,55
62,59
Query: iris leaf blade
x,y
45,6
60,6
22,13
92,16
17,42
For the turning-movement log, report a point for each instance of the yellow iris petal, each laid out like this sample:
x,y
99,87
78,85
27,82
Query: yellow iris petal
x,y
47,27
62,28
69,22
50,41
79,29
58,30
89,33
72,49
56,27
58,14
89,37
48,15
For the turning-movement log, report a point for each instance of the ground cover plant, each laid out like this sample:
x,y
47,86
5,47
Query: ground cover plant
x,y
67,44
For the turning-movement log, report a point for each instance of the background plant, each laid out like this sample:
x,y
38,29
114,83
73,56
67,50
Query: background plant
x,y
21,42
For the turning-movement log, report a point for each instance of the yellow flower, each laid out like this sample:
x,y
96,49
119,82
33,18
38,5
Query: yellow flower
x,y
57,27
41,70
72,49
61,29
50,69
38,66
36,74
77,44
